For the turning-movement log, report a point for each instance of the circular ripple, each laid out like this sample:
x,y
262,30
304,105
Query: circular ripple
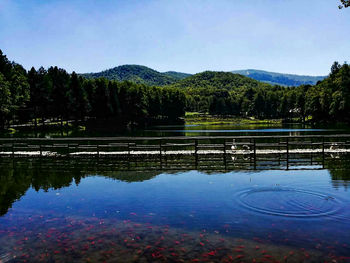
x,y
288,202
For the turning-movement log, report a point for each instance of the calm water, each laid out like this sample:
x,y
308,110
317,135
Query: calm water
x,y
242,129
64,214
234,129
63,211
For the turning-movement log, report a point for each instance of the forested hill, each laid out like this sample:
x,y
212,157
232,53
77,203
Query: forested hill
x,y
53,93
218,80
177,75
279,78
138,74
144,75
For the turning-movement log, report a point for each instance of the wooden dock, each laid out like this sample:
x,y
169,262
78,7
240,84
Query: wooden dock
x,y
238,150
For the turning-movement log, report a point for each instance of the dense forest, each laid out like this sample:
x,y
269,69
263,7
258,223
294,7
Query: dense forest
x,y
231,94
53,94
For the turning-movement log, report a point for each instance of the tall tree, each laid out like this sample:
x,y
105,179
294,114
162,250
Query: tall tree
x,y
344,3
40,90
5,100
79,104
14,79
59,94
5,65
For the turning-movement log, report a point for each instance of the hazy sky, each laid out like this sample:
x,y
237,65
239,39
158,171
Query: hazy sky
x,y
291,36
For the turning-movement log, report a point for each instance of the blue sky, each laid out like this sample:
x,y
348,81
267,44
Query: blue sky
x,y
290,36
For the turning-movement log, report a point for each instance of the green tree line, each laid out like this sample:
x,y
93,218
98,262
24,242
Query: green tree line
x,y
55,94
229,94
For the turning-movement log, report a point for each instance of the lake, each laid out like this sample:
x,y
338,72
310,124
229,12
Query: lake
x,y
188,129
54,210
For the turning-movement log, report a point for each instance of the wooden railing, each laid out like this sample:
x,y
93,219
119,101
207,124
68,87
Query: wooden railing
x,y
255,151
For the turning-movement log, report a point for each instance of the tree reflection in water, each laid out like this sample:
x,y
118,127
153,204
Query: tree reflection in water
x,y
16,177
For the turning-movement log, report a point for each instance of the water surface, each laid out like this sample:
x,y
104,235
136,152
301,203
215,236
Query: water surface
x,y
228,129
67,215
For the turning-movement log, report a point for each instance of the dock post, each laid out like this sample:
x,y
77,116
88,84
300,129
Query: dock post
x,y
323,152
311,158
160,147
13,150
279,153
195,152
287,148
165,157
160,153
128,158
250,154
254,144
41,150
225,164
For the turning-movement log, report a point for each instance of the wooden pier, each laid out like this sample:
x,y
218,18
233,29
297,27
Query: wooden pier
x,y
238,151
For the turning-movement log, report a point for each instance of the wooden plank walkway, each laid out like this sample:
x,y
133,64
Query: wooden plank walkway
x,y
180,152
241,150
212,153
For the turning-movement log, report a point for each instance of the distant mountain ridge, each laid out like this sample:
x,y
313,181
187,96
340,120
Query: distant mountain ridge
x,y
275,78
144,75
138,74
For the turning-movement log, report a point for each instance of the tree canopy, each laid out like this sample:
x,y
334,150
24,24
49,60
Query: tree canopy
x,y
138,74
55,94
42,94
344,3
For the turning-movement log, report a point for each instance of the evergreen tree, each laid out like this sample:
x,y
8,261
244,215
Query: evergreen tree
x,y
78,99
5,100
59,95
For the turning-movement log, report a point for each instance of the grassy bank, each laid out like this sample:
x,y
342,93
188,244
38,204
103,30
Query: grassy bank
x,y
206,119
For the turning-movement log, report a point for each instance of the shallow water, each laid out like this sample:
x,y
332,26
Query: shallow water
x,y
66,215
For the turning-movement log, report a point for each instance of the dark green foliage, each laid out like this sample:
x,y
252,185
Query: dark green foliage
x,y
5,99
40,91
55,94
177,75
78,100
223,93
279,78
330,99
14,89
59,94
344,3
217,80
138,74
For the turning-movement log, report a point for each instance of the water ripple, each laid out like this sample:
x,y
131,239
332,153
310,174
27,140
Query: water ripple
x,y
289,202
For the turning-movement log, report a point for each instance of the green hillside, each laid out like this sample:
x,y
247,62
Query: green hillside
x,y
218,80
144,75
279,78
138,74
177,75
